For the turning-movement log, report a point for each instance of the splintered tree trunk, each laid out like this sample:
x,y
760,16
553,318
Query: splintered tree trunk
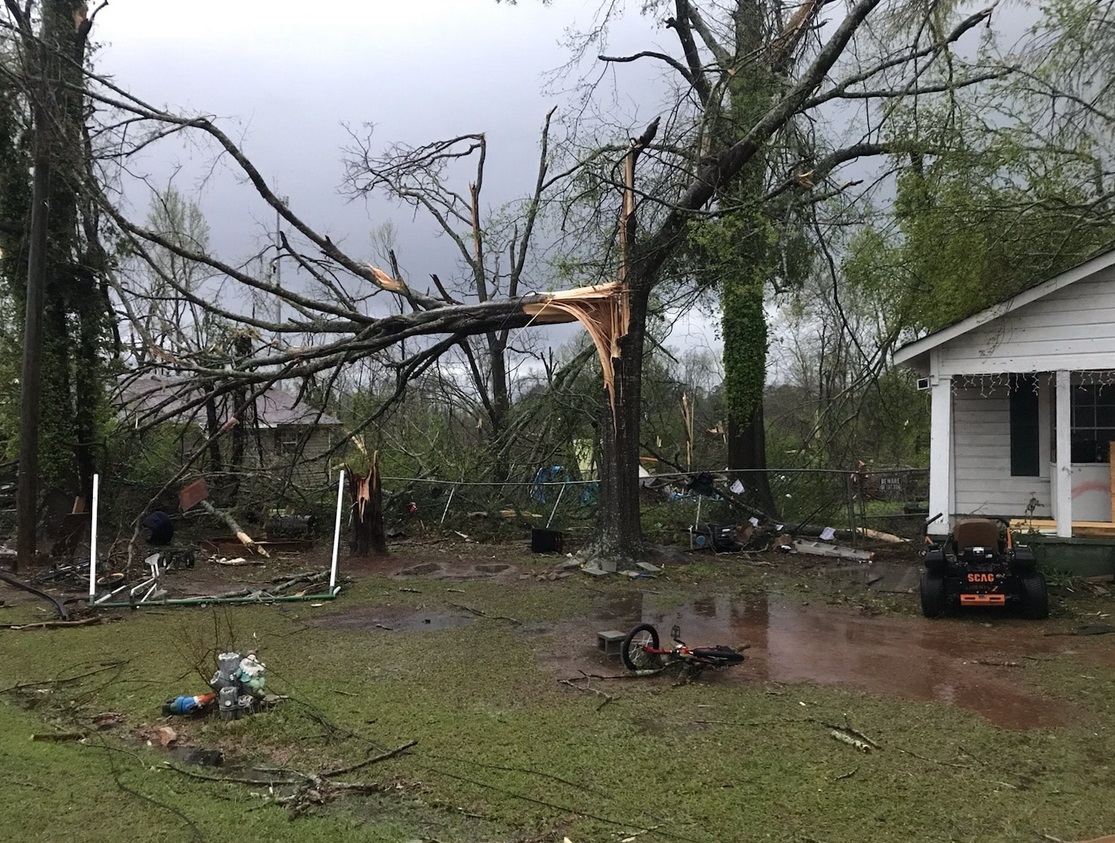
x,y
368,537
621,535
621,531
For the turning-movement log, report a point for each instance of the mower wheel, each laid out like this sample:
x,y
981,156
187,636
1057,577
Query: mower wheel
x,y
935,561
932,589
1035,597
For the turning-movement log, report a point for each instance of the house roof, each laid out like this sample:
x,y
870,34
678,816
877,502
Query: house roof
x,y
914,350
151,395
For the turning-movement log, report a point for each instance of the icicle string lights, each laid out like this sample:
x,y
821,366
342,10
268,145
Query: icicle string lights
x,y
1004,382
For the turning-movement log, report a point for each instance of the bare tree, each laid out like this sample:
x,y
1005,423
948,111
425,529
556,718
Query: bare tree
x,y
495,258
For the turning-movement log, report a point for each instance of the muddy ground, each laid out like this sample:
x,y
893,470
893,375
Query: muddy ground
x,y
806,620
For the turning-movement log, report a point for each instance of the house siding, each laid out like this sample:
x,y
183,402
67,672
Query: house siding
x,y
1072,328
312,468
981,459
309,472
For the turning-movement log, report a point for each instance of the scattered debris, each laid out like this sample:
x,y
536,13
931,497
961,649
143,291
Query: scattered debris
x,y
878,535
823,549
167,736
853,737
844,737
482,614
607,698
198,493
237,689
63,613
1090,629
107,720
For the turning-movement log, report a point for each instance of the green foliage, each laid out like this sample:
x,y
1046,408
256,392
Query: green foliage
x,y
745,359
988,214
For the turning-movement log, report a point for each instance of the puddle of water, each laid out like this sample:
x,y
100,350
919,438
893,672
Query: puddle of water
x,y
954,661
196,756
372,617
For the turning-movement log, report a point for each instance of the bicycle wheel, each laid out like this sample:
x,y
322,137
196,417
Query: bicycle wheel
x,y
634,653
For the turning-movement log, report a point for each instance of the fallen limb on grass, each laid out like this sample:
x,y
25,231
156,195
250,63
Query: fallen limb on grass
x,y
844,737
855,734
607,698
50,624
58,736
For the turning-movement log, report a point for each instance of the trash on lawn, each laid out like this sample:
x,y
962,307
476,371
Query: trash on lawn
x,y
188,705
822,549
238,689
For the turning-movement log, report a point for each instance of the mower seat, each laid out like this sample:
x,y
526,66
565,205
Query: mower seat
x,y
976,532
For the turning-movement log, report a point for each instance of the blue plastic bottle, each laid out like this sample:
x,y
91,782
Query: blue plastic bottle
x,y
186,705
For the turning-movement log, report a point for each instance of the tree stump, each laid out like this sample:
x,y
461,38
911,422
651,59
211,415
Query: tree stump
x,y
368,536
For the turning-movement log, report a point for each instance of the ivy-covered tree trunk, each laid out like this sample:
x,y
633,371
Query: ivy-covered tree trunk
x,y
745,356
62,376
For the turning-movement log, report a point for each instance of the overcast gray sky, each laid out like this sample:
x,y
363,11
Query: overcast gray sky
x,y
285,78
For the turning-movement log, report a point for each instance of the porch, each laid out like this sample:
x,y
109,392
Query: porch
x,y
1088,552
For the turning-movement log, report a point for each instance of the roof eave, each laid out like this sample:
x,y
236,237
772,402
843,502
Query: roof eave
x,y
906,354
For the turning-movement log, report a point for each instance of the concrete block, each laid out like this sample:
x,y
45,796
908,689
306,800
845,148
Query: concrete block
x,y
610,641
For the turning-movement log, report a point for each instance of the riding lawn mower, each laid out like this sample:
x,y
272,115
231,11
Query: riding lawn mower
x,y
979,564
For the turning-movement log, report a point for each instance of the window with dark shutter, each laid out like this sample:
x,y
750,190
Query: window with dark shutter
x,y
1024,454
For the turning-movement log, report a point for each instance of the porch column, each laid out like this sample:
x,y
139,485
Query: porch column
x,y
940,455
1062,507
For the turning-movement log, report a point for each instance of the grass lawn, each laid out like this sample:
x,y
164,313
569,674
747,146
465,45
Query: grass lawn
x,y
505,751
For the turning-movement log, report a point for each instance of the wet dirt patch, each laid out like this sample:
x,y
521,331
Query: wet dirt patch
x,y
423,570
974,663
393,619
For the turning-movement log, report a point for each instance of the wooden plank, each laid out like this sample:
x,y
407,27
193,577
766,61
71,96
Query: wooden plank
x,y
1080,529
822,549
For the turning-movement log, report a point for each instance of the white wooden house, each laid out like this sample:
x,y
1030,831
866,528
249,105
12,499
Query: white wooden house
x,y
1023,403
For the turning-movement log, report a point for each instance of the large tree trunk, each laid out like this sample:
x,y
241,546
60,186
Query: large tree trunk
x,y
500,403
53,71
30,384
621,536
747,454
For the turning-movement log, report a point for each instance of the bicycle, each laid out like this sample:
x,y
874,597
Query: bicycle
x,y
642,654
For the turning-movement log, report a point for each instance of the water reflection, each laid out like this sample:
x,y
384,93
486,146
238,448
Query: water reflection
x,y
957,662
